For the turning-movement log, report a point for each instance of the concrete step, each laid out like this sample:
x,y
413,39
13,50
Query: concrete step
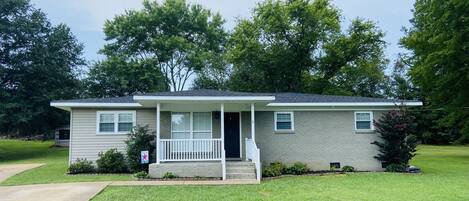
x,y
240,176
239,164
240,169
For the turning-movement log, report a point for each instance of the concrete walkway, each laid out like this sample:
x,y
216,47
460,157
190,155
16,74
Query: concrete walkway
x,y
52,192
13,169
82,191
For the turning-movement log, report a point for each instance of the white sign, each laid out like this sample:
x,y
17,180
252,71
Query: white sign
x,y
144,159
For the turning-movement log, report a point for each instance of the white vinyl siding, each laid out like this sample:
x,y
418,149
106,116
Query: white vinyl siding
x,y
284,121
85,142
115,122
364,121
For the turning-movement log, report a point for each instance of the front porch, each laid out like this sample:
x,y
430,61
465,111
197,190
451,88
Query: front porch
x,y
202,137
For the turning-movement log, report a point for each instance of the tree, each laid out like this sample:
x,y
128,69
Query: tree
x,y
298,46
353,63
38,63
397,144
115,77
175,38
439,43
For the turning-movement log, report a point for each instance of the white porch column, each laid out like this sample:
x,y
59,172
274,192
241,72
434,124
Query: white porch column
x,y
253,121
222,124
158,150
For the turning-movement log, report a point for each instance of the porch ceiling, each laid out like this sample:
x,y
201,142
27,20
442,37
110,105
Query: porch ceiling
x,y
196,106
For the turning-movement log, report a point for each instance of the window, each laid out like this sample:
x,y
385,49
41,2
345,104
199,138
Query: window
x,y
115,122
284,121
191,125
363,121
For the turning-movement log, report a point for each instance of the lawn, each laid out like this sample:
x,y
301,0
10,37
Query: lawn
x,y
56,160
445,177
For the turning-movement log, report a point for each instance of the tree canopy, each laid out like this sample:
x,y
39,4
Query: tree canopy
x,y
38,63
173,39
298,46
439,45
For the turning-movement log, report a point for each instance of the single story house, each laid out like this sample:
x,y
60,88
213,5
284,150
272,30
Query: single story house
x,y
227,134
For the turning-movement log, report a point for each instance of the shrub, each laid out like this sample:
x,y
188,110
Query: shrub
x,y
139,139
348,168
298,168
396,168
81,166
112,161
279,166
271,171
169,175
141,175
397,144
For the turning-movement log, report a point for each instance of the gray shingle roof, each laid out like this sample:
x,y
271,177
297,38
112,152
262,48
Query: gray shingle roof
x,y
279,97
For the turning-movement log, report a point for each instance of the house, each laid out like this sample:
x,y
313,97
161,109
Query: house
x,y
226,134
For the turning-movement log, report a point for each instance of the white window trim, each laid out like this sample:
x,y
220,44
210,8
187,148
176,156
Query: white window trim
x,y
292,119
372,127
116,121
191,127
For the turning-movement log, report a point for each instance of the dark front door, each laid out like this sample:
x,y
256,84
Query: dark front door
x,y
232,134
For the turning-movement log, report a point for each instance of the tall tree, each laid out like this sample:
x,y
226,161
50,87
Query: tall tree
x,y
439,45
298,46
176,38
38,63
116,77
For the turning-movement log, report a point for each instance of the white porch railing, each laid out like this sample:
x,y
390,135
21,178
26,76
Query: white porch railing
x,y
253,154
190,149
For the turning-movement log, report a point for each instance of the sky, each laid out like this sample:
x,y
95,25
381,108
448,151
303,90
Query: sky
x,y
86,17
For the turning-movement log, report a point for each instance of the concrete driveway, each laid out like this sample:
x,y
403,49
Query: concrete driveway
x,y
82,191
47,192
12,169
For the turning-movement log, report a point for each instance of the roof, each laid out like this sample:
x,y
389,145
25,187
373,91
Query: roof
x,y
274,99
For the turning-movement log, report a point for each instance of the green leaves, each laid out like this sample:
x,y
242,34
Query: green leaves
x,y
439,41
38,63
180,39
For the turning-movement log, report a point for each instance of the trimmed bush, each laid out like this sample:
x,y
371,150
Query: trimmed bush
x,y
271,171
297,168
112,161
348,168
141,175
279,166
81,166
396,168
140,139
169,175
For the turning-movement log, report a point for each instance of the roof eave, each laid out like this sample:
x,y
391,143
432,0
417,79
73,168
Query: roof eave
x,y
346,104
204,98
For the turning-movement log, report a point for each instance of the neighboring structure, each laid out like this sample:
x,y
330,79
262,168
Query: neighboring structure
x,y
62,136
199,131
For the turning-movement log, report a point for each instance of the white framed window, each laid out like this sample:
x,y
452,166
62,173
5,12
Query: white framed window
x,y
191,125
115,122
364,121
284,121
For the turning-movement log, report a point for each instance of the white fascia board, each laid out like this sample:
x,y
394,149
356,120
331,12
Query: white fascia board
x,y
348,104
68,104
205,98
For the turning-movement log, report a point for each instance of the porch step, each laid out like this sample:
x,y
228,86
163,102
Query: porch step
x,y
239,163
240,175
240,170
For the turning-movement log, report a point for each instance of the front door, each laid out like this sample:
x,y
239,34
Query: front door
x,y
232,135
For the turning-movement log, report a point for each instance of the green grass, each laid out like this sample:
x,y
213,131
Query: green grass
x,y
445,177
56,160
